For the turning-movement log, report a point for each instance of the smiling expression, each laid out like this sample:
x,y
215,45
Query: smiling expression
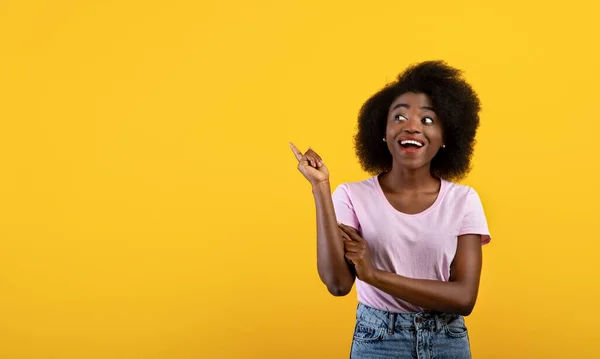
x,y
413,132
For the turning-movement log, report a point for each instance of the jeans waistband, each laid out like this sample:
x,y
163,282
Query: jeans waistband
x,y
420,320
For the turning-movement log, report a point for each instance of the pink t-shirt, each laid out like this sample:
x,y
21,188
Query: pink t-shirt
x,y
421,245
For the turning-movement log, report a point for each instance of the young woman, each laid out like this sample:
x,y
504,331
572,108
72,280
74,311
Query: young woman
x,y
409,235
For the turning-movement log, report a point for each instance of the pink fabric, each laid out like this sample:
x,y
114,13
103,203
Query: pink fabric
x,y
418,246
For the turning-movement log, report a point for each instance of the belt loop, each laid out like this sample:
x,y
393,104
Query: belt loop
x,y
391,322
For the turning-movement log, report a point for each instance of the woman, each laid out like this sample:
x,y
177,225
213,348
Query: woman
x,y
409,235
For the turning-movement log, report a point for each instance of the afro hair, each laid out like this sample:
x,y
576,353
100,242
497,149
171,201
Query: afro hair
x,y
455,103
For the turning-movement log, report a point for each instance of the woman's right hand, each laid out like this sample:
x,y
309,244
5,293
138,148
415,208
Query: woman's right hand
x,y
311,166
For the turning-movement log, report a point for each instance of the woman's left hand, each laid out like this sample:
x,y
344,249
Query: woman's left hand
x,y
357,251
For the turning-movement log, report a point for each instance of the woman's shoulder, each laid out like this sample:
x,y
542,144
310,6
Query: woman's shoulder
x,y
368,184
357,190
457,187
458,193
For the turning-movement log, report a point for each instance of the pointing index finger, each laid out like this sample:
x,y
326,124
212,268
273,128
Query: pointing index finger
x,y
296,151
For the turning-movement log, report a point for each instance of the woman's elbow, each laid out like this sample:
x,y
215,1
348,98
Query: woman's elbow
x,y
465,307
465,311
337,286
338,290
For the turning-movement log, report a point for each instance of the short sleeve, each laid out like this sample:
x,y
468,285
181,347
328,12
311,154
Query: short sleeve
x,y
474,220
344,209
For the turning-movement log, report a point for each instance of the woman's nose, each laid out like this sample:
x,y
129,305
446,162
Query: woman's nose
x,y
412,126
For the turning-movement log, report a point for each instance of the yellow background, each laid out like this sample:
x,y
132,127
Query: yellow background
x,y
151,207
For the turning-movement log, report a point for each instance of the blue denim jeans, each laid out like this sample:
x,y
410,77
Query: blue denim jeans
x,y
381,334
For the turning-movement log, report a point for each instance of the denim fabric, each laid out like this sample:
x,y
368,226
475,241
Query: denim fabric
x,y
381,334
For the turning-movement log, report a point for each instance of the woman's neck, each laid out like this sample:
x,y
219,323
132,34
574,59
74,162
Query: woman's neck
x,y
401,179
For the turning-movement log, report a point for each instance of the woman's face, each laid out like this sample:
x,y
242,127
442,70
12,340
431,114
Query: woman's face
x,y
413,132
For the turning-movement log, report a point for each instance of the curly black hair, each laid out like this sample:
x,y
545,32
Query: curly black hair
x,y
455,103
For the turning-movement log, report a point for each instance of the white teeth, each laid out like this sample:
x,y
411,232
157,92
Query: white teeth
x,y
411,142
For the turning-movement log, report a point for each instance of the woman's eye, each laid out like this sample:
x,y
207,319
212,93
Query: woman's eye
x,y
400,118
428,120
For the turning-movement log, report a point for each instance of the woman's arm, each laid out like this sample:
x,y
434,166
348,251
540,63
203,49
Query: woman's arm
x,y
458,295
455,296
335,272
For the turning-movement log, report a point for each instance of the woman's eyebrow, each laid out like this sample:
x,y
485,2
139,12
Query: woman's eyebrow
x,y
407,106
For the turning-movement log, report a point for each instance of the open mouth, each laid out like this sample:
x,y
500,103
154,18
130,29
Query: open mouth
x,y
411,145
